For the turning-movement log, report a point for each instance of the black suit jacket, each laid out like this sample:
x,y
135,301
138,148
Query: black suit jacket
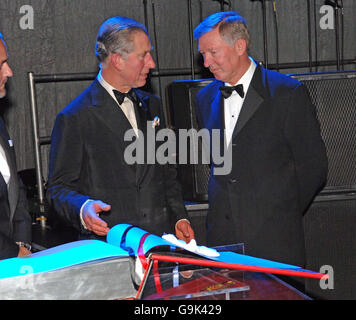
x,y
15,221
279,164
87,161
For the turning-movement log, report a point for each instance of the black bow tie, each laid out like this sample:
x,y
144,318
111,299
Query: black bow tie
x,y
227,91
121,96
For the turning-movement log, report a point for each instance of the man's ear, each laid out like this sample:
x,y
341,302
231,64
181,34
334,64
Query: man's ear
x,y
240,46
116,60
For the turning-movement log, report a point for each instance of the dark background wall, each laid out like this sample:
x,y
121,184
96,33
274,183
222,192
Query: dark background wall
x,y
62,41
63,37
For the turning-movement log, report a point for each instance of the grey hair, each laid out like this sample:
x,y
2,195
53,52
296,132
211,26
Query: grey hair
x,y
116,36
230,24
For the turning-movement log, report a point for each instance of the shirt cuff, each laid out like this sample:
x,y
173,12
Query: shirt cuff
x,y
81,214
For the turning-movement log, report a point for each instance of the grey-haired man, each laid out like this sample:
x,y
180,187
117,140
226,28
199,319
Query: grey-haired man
x,y
279,159
91,184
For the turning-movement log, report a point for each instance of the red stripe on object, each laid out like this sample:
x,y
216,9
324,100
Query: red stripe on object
x,y
210,263
140,252
156,277
141,284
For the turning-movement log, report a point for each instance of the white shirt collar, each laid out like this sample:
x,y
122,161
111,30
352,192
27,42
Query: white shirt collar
x,y
247,77
108,87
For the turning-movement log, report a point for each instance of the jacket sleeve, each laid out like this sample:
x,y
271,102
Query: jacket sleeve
x,y
64,170
8,247
302,131
22,220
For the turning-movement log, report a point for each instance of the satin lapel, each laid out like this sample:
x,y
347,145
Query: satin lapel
x,y
217,118
13,189
254,98
109,112
110,115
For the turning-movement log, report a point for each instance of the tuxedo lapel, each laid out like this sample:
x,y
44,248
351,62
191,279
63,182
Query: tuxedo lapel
x,y
213,117
220,120
109,112
252,102
254,97
216,119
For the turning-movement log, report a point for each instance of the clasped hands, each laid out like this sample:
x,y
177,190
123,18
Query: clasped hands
x,y
94,223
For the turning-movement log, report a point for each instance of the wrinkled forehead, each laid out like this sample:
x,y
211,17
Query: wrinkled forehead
x,y
141,41
211,40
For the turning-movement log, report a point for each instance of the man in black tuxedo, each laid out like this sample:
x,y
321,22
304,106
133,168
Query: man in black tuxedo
x,y
278,157
92,183
15,221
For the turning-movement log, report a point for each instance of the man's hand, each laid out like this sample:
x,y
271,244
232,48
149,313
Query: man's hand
x,y
184,231
91,218
23,252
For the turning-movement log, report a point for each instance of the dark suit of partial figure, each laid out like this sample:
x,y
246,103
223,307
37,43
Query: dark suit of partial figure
x,y
279,164
15,221
87,161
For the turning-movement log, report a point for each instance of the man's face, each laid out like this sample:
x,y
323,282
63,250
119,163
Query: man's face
x,y
138,63
222,59
5,70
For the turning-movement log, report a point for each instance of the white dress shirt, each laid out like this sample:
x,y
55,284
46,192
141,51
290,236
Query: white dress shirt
x,y
233,104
